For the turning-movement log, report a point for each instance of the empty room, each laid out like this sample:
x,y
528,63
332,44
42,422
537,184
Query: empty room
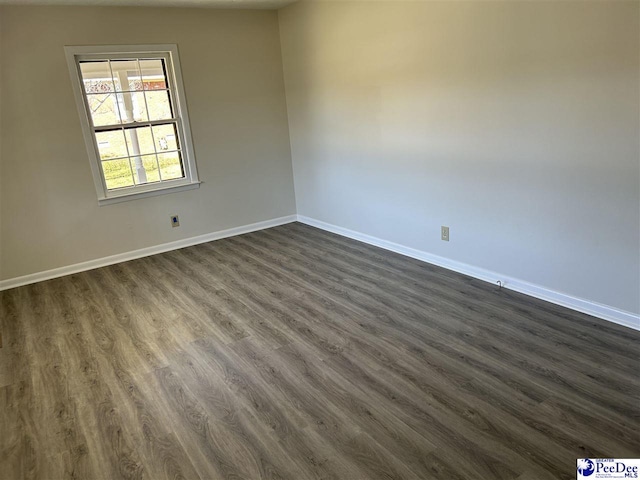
x,y
320,239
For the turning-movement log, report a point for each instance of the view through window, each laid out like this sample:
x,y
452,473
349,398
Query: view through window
x,y
130,103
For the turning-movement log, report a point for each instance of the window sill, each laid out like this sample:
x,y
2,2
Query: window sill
x,y
148,193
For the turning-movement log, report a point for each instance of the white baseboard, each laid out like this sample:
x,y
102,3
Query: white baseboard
x,y
605,312
143,252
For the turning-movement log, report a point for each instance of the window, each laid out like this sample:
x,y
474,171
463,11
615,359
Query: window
x,y
134,119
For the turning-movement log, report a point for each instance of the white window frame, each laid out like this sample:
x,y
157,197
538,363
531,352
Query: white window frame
x,y
169,52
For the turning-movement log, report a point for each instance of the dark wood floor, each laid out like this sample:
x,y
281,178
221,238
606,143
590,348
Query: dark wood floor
x,y
294,353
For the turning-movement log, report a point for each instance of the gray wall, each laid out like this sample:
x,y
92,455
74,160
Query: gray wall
x,y
232,73
514,123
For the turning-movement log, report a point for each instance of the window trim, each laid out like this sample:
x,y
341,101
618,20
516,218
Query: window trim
x,y
74,55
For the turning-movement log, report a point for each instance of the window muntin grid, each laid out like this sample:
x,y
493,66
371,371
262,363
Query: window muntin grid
x,y
132,99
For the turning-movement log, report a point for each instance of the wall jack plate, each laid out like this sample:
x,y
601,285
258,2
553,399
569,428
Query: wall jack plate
x,y
175,221
444,233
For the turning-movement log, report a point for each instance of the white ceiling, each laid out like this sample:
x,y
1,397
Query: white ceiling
x,y
259,4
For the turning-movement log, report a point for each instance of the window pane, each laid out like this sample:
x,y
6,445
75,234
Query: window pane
x,y
166,137
170,165
104,110
139,141
145,169
96,77
132,107
117,173
153,74
126,75
158,104
139,106
111,144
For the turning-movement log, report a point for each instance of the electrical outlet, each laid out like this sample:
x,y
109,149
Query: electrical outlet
x,y
444,233
175,221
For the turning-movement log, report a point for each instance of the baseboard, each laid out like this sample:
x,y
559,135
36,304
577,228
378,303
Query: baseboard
x,y
143,252
605,312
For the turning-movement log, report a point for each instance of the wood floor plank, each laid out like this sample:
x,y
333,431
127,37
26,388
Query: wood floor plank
x,y
291,372
412,316
275,406
488,316
294,353
563,321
